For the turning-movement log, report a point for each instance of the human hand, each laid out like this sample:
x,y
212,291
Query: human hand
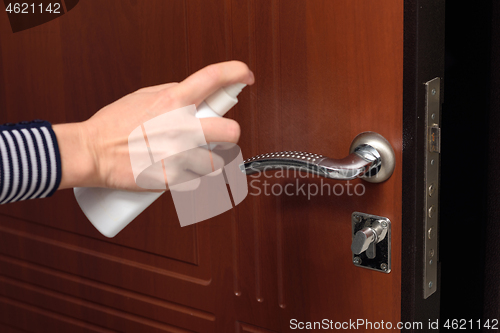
x,y
95,152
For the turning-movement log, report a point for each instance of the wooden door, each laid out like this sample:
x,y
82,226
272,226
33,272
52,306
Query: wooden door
x,y
325,72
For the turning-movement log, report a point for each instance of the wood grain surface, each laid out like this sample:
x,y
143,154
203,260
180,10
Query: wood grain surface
x,y
325,72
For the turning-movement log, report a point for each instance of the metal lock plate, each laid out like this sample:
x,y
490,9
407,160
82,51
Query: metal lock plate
x,y
431,190
377,255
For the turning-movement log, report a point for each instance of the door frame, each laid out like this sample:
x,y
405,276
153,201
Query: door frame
x,y
424,23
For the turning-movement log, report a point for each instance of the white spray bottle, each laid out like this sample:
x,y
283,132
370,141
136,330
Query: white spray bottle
x,y
112,210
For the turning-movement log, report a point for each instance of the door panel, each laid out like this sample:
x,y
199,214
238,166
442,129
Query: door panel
x,y
326,71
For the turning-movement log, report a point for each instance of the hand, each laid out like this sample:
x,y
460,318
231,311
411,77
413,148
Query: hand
x,y
95,152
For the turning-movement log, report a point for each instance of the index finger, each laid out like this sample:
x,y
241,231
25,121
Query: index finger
x,y
198,86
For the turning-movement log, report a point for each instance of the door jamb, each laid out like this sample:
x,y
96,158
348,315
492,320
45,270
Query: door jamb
x,y
423,60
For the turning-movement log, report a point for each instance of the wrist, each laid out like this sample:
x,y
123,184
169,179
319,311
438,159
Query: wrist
x,y
78,161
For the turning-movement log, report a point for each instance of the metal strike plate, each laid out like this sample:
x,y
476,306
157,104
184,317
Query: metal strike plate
x,y
431,190
378,255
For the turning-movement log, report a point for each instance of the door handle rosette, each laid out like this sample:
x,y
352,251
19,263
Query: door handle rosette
x,y
371,158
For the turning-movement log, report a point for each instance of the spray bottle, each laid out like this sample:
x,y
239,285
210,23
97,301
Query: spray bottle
x,y
112,210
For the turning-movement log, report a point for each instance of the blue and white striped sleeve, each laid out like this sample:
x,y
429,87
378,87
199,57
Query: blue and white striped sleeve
x,y
30,163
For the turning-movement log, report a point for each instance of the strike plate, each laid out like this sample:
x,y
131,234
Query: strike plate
x,y
431,190
382,260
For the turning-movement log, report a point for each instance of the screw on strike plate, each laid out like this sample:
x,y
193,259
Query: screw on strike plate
x,y
383,267
356,260
431,189
384,224
430,285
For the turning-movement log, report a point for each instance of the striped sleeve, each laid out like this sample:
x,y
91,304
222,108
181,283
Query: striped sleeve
x,y
30,163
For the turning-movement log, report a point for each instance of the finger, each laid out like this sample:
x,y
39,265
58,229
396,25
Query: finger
x,y
176,178
190,184
206,81
157,88
222,146
191,164
220,130
202,161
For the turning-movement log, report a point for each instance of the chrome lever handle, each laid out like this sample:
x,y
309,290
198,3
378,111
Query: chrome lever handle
x,y
371,158
351,167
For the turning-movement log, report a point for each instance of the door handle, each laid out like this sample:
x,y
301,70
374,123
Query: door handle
x,y
371,158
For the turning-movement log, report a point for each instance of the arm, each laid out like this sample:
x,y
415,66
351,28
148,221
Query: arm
x,y
94,153
30,164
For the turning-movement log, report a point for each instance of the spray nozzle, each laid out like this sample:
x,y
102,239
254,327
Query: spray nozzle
x,y
225,98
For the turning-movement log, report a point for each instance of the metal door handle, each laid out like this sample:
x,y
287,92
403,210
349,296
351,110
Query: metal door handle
x,y
371,158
